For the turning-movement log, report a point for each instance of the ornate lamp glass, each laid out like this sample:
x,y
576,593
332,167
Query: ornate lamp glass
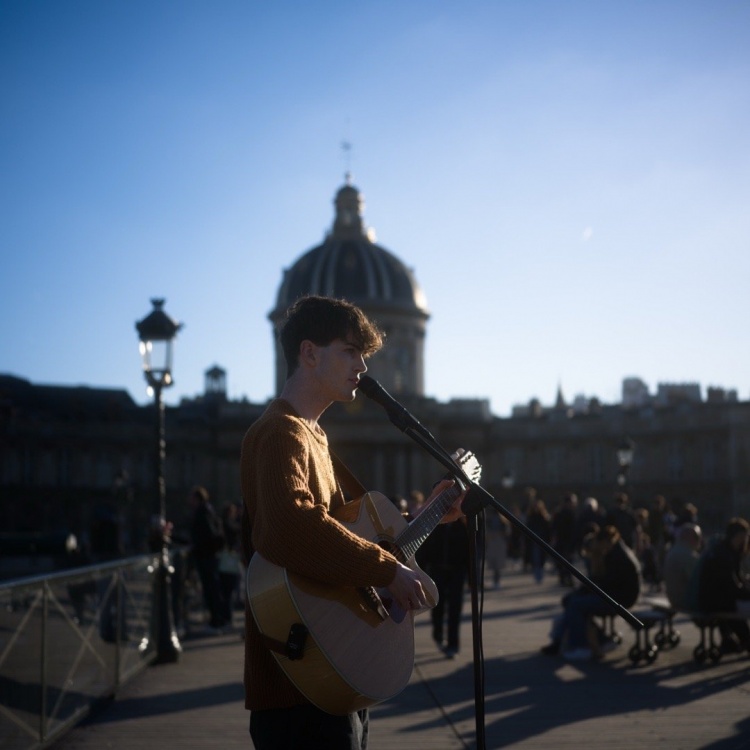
x,y
156,333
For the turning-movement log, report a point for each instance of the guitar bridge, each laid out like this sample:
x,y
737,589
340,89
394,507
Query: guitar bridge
x,y
374,602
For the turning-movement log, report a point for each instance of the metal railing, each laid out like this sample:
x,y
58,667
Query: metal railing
x,y
70,640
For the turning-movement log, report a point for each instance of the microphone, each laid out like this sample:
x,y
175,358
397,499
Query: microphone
x,y
400,417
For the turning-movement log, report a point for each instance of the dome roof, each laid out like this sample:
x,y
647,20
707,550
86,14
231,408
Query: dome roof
x,y
349,264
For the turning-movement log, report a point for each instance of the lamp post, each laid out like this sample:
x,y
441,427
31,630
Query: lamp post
x,y
156,332
625,452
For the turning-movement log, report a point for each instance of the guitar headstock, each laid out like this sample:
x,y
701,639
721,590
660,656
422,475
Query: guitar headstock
x,y
468,463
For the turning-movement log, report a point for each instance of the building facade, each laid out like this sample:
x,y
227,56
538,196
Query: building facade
x,y
65,451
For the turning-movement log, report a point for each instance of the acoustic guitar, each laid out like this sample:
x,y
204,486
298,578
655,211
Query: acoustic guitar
x,y
347,648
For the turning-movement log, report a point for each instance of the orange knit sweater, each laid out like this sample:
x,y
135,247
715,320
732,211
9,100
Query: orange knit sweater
x,y
289,488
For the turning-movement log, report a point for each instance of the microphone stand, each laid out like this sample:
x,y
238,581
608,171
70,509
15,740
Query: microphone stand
x,y
476,500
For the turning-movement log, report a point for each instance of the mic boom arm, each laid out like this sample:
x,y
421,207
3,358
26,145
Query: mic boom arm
x,y
477,497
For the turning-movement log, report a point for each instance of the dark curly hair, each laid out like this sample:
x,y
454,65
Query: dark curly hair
x,y
323,320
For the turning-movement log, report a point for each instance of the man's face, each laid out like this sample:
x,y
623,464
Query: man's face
x,y
337,370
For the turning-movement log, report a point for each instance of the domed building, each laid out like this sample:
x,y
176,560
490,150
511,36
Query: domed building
x,y
350,265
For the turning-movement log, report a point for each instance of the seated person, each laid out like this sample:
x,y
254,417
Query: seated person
x,y
680,563
720,584
616,570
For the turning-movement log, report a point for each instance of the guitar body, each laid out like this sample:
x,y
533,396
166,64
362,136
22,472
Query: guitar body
x,y
355,655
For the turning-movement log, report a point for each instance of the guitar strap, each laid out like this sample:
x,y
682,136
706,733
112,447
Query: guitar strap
x,y
350,485
294,646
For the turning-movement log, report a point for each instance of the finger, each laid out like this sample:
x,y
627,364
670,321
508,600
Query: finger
x,y
441,486
420,600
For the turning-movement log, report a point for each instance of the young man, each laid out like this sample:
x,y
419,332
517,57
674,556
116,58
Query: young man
x,y
290,490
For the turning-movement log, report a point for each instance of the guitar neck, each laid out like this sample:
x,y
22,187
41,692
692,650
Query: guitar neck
x,y
413,536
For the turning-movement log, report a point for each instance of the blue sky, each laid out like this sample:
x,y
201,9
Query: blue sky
x,y
568,180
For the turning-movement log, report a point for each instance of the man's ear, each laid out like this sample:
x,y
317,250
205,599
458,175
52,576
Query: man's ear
x,y
308,353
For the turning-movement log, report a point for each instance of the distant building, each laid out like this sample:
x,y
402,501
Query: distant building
x,y
721,396
634,393
672,394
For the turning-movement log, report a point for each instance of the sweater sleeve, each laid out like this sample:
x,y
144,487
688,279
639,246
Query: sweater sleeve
x,y
288,483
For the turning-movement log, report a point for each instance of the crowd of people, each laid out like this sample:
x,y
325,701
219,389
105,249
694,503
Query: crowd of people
x,y
627,551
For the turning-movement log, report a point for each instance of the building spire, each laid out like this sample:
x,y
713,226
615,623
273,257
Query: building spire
x,y
349,221
560,401
346,150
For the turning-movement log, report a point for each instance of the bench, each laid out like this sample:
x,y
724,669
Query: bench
x,y
667,637
606,626
708,623
655,612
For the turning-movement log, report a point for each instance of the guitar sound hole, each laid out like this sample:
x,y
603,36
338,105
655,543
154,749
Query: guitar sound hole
x,y
389,546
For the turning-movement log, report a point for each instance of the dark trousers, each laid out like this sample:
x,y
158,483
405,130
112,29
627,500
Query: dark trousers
x,y
578,607
208,570
228,584
308,728
450,584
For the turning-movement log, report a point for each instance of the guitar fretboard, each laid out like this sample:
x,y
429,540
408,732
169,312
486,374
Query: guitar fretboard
x,y
412,537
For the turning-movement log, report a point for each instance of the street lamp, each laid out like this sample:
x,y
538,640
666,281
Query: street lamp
x,y
625,452
156,332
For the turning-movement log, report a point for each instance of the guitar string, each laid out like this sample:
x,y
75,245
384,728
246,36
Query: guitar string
x,y
413,536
